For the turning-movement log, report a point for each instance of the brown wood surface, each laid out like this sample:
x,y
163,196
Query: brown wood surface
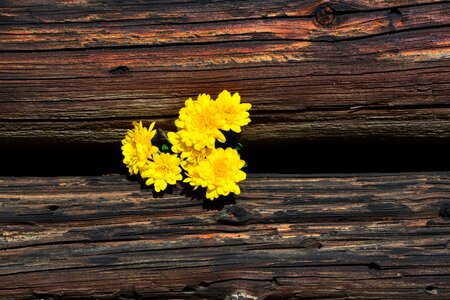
x,y
322,237
80,72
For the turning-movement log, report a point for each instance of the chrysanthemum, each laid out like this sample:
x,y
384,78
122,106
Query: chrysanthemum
x,y
197,124
219,173
187,153
163,170
137,147
231,111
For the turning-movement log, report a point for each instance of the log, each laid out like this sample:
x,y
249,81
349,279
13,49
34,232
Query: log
x,y
79,72
379,236
176,11
310,22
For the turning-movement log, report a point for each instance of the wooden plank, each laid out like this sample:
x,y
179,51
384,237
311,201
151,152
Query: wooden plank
x,y
313,70
326,25
176,11
397,88
338,236
391,126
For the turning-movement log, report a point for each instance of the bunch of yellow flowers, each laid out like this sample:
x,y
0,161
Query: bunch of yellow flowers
x,y
200,128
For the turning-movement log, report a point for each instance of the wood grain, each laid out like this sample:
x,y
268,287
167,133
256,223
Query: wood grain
x,y
288,128
338,236
176,11
81,72
345,25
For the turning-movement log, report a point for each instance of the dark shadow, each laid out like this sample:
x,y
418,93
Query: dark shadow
x,y
144,187
168,190
133,178
232,140
346,158
219,203
276,157
188,191
200,194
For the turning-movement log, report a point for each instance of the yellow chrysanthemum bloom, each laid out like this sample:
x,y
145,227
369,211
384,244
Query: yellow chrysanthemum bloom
x,y
219,173
187,153
197,123
231,111
163,170
137,147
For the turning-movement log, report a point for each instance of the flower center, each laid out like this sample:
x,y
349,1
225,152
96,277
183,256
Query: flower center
x,y
164,167
206,123
220,169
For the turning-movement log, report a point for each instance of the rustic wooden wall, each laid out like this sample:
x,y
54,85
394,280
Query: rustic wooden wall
x,y
81,71
287,237
76,73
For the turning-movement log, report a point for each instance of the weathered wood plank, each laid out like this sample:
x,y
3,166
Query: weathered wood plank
x,y
398,126
339,236
405,81
362,70
175,11
327,25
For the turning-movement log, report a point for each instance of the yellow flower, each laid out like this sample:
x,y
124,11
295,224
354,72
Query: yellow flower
x,y
197,124
219,173
164,169
187,153
137,147
231,111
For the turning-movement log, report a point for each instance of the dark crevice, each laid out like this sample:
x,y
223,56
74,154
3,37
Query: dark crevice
x,y
274,283
373,266
149,46
120,70
140,46
189,289
339,155
444,211
431,290
395,11
53,207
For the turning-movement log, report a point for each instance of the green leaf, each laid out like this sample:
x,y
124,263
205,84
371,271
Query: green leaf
x,y
164,148
238,147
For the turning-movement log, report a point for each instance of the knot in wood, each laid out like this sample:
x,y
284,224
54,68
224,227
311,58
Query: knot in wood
x,y
234,215
431,290
444,212
310,243
325,16
119,70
